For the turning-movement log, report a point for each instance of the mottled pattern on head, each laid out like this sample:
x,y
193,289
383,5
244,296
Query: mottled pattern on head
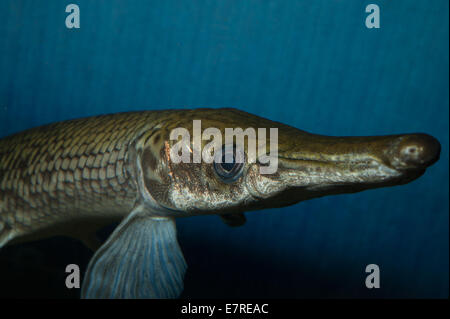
x,y
194,187
74,176
309,165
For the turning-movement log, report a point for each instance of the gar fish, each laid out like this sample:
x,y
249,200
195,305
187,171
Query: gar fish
x,y
73,177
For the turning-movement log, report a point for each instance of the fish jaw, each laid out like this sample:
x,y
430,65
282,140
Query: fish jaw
x,y
335,165
308,166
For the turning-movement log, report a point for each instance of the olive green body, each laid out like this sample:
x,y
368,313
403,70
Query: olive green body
x,y
72,177
68,177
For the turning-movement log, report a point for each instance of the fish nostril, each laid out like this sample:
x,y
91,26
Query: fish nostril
x,y
411,153
419,150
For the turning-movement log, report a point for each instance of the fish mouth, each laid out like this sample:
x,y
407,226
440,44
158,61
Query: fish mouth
x,y
336,165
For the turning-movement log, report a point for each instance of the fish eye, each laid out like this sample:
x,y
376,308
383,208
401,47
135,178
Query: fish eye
x,y
229,163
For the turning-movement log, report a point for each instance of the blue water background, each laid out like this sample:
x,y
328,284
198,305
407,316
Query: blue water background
x,y
309,64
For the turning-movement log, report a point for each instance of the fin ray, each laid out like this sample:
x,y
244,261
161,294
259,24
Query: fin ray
x,y
141,259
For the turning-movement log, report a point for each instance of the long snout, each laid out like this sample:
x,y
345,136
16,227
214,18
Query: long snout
x,y
319,165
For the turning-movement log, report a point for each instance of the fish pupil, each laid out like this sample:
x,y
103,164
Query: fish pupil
x,y
228,166
230,171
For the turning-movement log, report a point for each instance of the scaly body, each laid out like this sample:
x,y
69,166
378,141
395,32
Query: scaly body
x,y
72,177
69,177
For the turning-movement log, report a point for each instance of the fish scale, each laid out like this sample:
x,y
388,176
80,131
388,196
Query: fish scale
x,y
67,171
72,177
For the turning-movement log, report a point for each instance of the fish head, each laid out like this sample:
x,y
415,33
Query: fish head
x,y
192,170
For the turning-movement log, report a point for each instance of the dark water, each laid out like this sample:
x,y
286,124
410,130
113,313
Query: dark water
x,y
310,64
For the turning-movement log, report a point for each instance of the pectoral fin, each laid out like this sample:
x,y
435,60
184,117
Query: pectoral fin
x,y
234,220
141,259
